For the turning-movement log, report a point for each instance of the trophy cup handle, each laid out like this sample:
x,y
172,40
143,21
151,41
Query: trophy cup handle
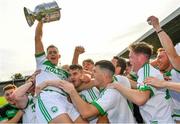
x,y
30,17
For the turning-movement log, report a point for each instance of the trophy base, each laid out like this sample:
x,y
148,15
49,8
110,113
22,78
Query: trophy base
x,y
29,16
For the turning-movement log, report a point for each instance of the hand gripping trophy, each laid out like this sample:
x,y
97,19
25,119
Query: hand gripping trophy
x,y
45,12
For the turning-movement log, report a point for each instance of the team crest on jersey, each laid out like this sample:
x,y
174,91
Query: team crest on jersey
x,y
54,109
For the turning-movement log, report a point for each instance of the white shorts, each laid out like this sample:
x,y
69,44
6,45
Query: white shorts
x,y
51,104
175,110
29,117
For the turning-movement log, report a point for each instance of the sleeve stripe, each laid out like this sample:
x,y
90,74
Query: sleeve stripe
x,y
39,54
175,115
90,94
146,71
177,70
93,94
145,87
3,119
100,109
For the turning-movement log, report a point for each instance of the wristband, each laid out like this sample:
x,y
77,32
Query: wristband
x,y
159,31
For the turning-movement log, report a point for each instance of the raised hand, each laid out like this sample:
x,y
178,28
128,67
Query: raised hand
x,y
154,21
79,49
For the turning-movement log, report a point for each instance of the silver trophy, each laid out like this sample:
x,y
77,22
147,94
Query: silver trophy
x,y
45,12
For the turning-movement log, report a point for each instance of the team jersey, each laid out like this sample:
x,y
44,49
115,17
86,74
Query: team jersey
x,y
89,96
52,101
8,111
29,115
123,80
114,105
175,77
158,108
133,76
49,71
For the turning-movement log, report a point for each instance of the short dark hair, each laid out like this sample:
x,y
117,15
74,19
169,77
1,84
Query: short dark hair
x,y
89,61
8,87
121,62
142,47
105,64
75,66
52,46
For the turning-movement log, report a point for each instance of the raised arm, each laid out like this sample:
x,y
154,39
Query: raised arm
x,y
166,42
38,39
78,50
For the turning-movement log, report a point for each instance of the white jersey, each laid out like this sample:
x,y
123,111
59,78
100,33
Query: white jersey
x,y
112,103
123,80
49,71
89,96
158,107
52,101
175,77
176,73
29,115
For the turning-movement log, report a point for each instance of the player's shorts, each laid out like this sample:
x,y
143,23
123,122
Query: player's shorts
x,y
175,110
51,104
